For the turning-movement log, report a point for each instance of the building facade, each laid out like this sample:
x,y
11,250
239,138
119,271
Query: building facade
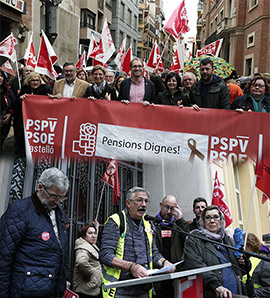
x,y
244,27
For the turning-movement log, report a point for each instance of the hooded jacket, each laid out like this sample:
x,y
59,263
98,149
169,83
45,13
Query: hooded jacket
x,y
87,269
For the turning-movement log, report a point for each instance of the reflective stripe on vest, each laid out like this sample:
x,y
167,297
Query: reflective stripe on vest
x,y
110,274
254,263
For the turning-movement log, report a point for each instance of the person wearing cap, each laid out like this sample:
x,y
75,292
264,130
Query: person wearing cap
x,y
34,242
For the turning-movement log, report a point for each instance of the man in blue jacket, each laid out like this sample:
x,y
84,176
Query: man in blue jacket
x,y
211,91
34,242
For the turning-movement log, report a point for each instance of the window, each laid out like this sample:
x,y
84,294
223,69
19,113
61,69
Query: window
x,y
122,11
121,37
211,27
109,3
128,42
129,20
135,22
248,66
88,19
216,22
221,15
251,40
252,4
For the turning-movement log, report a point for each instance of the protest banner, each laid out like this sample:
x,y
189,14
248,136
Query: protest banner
x,y
110,129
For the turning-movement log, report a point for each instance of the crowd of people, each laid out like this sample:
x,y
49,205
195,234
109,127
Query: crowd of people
x,y
167,88
34,231
34,248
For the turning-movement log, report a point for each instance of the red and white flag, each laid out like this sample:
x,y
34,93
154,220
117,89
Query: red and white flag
x,y
6,67
46,58
178,59
178,22
111,177
105,44
81,62
121,55
7,48
219,200
175,67
30,56
211,49
262,170
126,62
93,49
155,61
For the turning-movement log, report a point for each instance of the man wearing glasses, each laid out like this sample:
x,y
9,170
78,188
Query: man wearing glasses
x,y
70,86
128,247
170,243
34,241
137,88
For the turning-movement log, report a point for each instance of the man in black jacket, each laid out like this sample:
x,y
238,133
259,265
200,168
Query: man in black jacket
x,y
170,243
211,91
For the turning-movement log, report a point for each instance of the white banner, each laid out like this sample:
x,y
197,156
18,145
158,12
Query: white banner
x,y
144,145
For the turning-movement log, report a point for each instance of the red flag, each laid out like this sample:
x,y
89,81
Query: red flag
x,y
155,61
30,56
263,167
93,49
121,55
111,177
126,61
106,45
219,200
212,48
175,63
46,58
81,62
7,48
6,67
178,22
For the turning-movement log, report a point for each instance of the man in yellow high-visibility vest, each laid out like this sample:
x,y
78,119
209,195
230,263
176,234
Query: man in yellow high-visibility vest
x,y
128,247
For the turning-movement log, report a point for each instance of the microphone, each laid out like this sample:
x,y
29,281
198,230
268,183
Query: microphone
x,y
155,219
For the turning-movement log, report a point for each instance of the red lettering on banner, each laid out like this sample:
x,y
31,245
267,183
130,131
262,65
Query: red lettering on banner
x,y
53,129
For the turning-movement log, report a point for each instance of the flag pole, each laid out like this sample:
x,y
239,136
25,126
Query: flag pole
x,y
100,199
18,74
250,208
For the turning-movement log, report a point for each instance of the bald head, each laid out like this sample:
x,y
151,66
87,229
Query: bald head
x,y
26,70
167,206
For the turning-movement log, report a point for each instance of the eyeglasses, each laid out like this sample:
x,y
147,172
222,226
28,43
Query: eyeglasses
x,y
167,208
258,85
140,201
209,218
34,80
54,197
187,79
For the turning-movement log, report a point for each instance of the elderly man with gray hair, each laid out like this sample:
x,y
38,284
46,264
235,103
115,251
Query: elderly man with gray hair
x,y
34,241
128,247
